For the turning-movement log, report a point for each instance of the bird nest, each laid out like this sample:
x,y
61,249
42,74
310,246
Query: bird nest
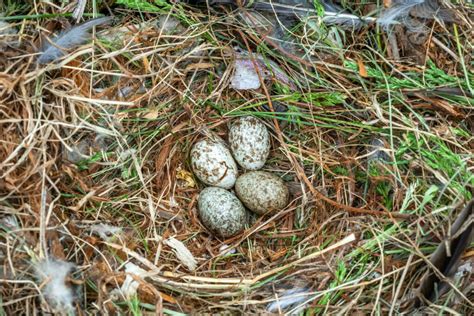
x,y
371,130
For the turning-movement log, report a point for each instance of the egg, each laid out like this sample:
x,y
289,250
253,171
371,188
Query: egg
x,y
262,192
221,212
250,142
213,164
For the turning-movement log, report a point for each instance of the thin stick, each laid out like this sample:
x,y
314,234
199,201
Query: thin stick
x,y
347,240
222,283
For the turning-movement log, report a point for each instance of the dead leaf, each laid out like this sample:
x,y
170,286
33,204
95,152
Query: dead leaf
x,y
152,114
119,116
80,78
186,176
362,69
274,256
168,298
198,66
161,160
436,104
56,248
6,85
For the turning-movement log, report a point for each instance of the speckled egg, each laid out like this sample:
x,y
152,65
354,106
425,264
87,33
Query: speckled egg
x,y
250,142
221,212
213,164
262,192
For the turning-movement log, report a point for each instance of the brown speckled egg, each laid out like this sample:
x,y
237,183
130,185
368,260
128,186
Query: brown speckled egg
x,y
262,192
213,164
221,212
250,142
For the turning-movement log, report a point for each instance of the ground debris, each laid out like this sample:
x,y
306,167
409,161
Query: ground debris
x,y
370,128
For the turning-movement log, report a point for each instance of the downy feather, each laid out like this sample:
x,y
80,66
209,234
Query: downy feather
x,y
287,299
69,39
397,13
431,9
53,275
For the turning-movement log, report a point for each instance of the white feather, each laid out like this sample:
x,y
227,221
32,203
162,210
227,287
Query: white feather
x,y
52,275
397,12
288,298
130,286
335,15
105,231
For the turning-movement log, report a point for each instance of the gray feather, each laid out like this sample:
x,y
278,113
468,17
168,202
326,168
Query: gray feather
x,y
398,13
69,39
431,9
333,15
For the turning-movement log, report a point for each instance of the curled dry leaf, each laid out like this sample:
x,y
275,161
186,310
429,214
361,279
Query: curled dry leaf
x,y
182,252
248,72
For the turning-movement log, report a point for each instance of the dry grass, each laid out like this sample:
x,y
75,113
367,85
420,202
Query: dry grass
x,y
358,233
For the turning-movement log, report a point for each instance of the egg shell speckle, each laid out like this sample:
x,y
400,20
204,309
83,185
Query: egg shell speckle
x,y
262,192
250,142
221,212
213,164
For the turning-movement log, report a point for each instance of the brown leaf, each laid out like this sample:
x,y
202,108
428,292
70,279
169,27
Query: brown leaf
x,y
89,246
362,69
80,78
198,66
436,104
160,161
55,246
152,114
274,256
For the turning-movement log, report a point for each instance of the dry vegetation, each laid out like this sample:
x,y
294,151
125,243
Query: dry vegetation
x,y
375,144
